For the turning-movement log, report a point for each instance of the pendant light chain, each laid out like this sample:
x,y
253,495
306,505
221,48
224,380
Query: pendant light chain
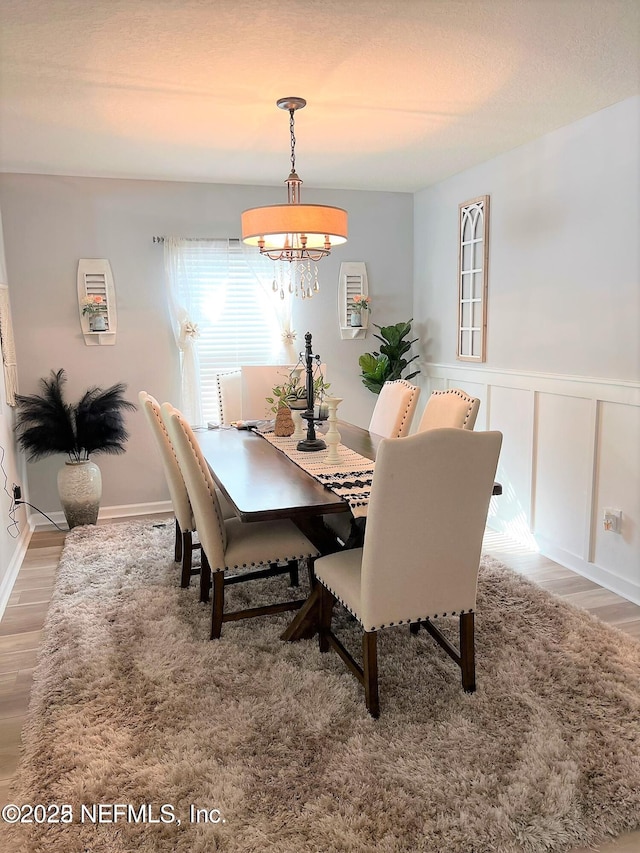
x,y
292,124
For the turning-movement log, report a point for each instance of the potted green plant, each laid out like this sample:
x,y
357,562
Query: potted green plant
x,y
388,364
293,392
46,425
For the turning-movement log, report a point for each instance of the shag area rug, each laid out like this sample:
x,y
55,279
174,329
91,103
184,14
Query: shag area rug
x,y
140,724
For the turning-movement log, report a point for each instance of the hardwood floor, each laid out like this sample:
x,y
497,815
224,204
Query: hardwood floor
x,y
21,631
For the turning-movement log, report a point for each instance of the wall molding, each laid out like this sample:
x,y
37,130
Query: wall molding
x,y
604,577
576,502
106,513
9,577
606,390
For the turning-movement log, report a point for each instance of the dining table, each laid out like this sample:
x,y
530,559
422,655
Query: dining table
x,y
264,484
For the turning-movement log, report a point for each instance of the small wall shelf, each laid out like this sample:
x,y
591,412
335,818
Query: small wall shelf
x,y
353,280
96,279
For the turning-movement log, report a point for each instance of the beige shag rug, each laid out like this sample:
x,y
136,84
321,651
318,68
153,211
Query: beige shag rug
x,y
133,705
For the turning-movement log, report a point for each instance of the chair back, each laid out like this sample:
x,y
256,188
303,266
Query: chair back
x,y
427,513
451,408
229,388
394,409
173,475
200,487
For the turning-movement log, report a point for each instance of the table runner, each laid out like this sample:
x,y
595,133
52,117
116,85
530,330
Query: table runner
x,y
350,478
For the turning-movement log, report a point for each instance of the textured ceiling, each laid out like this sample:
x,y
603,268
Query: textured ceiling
x,y
400,94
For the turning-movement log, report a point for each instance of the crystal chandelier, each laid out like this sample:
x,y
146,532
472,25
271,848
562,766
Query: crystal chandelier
x,y
300,234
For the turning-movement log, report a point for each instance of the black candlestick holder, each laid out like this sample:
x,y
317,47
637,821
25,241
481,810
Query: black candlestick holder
x,y
311,442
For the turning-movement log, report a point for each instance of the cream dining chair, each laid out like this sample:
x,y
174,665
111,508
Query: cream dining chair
x,y
230,544
394,409
185,524
450,408
229,393
391,418
422,543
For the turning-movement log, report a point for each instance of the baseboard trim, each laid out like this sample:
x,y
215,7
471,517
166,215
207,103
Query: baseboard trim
x,y
603,577
135,509
9,578
107,512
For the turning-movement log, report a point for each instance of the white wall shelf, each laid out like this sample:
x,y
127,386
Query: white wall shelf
x,y
95,278
353,281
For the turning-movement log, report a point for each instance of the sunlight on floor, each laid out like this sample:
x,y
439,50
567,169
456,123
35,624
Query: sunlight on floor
x,y
499,542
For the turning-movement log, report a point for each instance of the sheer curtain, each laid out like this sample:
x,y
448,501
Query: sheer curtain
x,y
219,319
270,273
182,279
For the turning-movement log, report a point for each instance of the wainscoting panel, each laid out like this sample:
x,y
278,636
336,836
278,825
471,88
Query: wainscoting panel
x,y
564,471
571,449
617,486
512,412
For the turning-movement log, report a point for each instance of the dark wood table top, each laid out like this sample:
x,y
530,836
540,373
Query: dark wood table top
x,y
263,484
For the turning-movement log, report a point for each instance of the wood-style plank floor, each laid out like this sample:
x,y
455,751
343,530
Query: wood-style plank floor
x,y
21,631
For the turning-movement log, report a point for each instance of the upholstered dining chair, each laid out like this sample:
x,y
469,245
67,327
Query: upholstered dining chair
x,y
394,409
229,391
391,418
426,518
450,408
229,544
185,524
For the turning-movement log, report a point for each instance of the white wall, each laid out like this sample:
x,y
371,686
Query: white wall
x,y
14,532
562,376
52,222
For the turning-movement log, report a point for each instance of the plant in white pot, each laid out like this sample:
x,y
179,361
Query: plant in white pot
x,y
46,425
95,308
293,392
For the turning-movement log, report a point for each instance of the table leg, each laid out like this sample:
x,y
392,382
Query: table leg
x,y
307,619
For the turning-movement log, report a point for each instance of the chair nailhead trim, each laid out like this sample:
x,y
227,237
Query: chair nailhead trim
x,y
462,396
266,562
414,391
206,476
390,624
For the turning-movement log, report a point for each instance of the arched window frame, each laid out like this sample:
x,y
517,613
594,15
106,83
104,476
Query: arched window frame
x,y
473,262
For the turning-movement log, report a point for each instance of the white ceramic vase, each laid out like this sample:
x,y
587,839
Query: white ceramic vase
x,y
80,491
356,318
98,323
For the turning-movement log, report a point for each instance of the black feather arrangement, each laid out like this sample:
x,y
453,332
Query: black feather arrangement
x,y
45,424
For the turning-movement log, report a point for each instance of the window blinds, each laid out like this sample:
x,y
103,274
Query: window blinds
x,y
235,314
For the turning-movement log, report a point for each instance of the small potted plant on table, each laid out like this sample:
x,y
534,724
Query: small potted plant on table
x,y
292,395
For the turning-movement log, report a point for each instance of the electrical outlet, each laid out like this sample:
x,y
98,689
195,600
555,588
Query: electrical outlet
x,y
612,520
17,493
